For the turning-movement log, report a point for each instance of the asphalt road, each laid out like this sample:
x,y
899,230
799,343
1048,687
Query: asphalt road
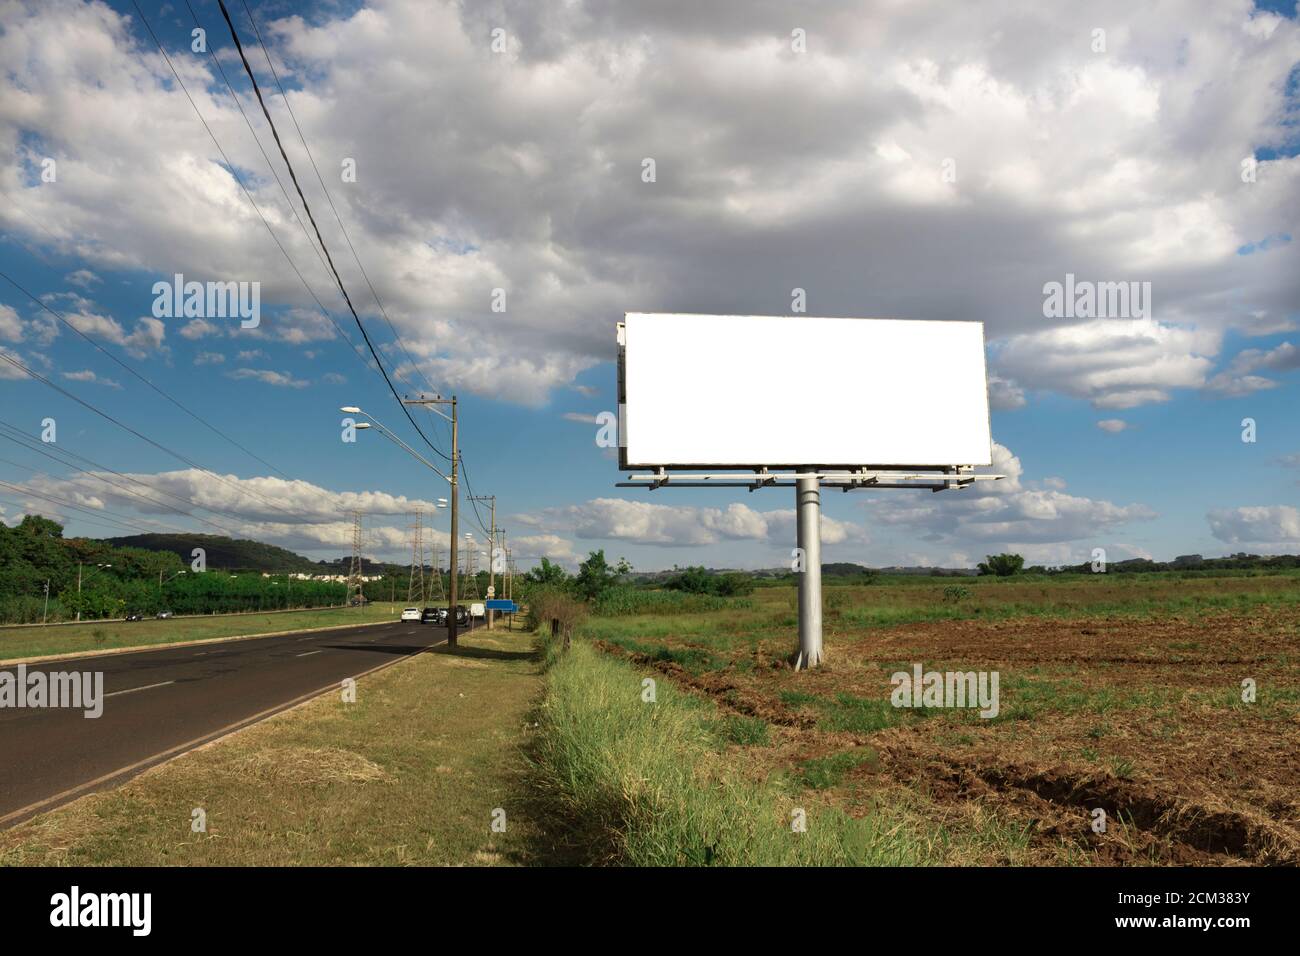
x,y
162,702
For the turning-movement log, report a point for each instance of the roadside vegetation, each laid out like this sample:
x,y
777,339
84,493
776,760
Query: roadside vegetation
x,y
1119,692
654,784
91,637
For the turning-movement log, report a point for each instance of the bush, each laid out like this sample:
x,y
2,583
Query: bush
x,y
700,580
1002,565
550,604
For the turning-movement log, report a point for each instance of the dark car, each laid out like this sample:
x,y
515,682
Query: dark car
x,y
429,615
462,615
135,616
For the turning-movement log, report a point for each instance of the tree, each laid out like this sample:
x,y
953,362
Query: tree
x,y
1002,565
547,574
596,574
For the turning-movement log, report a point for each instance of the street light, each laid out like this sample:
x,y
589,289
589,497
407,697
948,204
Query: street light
x,y
98,567
451,479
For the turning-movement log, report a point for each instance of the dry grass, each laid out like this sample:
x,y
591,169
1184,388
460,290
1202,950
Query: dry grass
x,y
408,775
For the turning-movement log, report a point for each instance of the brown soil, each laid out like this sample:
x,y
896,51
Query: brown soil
x,y
1139,718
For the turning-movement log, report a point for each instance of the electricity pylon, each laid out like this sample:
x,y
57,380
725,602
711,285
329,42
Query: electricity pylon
x,y
437,573
354,567
415,590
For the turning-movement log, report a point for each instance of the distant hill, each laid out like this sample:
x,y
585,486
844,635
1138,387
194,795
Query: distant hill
x,y
234,554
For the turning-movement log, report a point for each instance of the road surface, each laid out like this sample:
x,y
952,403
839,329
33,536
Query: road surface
x,y
159,703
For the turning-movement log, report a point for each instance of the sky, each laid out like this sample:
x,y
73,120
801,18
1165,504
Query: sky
x,y
488,161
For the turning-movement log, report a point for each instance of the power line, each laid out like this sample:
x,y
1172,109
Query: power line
x,y
121,520
330,199
256,139
234,35
125,427
23,440
130,369
253,202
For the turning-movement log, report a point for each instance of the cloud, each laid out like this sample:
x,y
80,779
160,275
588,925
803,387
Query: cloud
x,y
642,522
581,417
1266,529
1005,395
523,174
1113,363
82,277
8,371
1007,515
292,514
1112,425
89,376
11,327
269,377
532,548
198,329
1239,378
209,358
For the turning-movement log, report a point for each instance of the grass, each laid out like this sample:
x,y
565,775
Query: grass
x,y
93,636
822,773
650,789
410,774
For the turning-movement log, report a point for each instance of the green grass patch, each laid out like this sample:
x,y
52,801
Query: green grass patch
x,y
822,773
648,785
745,731
31,641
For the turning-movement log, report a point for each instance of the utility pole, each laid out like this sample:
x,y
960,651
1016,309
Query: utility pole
x,y
492,543
455,503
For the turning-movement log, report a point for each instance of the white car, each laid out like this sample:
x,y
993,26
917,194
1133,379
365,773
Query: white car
x,y
411,614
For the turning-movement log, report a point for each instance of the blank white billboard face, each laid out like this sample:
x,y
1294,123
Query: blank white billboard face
x,y
746,391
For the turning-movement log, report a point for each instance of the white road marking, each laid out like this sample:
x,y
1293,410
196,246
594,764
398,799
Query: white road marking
x,y
132,690
309,654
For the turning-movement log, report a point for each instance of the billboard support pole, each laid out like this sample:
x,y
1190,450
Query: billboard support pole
x,y
808,530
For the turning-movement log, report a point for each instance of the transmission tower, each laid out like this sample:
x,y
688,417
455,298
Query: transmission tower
x,y
471,571
415,589
354,567
437,574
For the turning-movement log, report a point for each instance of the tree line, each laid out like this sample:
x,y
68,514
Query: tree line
x,y
40,570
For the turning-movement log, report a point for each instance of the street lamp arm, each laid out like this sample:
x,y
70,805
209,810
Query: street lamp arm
x,y
411,451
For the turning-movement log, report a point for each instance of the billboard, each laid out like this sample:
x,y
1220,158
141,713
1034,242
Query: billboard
x,y
731,391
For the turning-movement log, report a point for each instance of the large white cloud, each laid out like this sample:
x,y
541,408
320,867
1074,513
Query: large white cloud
x,y
1260,528
643,522
521,171
293,514
1038,519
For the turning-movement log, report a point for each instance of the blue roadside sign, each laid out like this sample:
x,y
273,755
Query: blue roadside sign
x,y
508,606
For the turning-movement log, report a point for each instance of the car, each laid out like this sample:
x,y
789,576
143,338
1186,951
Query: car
x,y
429,615
411,614
163,615
135,616
462,615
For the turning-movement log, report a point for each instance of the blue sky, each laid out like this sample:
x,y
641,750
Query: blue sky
x,y
520,170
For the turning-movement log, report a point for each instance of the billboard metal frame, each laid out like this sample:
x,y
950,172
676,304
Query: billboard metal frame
x,y
807,480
